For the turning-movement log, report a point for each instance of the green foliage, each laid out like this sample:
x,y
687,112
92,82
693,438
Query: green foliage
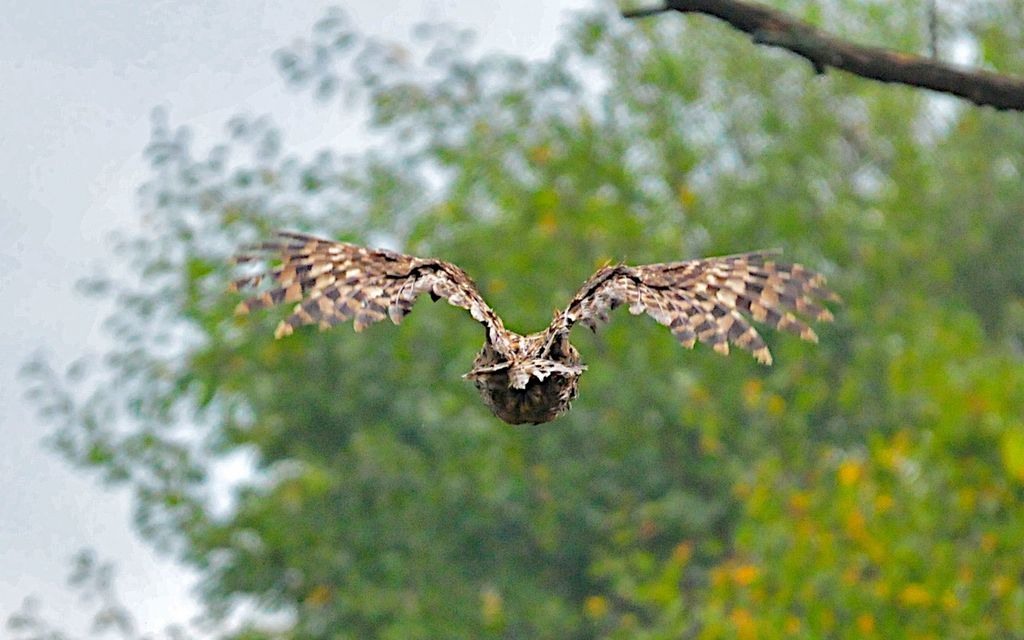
x,y
869,485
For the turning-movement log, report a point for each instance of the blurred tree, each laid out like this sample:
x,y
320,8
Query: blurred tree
x,y
867,486
775,28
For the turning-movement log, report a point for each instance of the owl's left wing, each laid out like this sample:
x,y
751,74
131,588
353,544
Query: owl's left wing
x,y
333,282
706,300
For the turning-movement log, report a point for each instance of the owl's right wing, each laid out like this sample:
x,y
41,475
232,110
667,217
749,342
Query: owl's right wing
x,y
705,300
333,282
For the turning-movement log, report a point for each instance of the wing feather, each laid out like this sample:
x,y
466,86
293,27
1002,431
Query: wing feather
x,y
334,282
709,300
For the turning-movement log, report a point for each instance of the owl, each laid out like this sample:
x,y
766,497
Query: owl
x,y
534,378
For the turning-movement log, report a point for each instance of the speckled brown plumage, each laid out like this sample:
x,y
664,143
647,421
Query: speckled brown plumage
x,y
534,378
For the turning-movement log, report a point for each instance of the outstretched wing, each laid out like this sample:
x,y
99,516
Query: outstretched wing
x,y
334,282
705,300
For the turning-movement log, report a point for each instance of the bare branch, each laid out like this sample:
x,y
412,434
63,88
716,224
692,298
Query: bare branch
x,y
774,28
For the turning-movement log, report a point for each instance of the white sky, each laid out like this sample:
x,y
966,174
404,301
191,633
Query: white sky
x,y
77,83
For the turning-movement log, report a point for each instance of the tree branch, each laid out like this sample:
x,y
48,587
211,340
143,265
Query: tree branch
x,y
773,28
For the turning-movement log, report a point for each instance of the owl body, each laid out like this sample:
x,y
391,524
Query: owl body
x,y
537,384
534,378
538,401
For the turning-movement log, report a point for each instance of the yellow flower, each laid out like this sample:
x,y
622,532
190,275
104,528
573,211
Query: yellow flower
x,y
596,606
744,623
988,542
1001,585
540,473
745,574
799,502
851,576
319,595
884,502
793,625
891,455
719,576
901,441
490,606
548,224
686,196
915,595
850,471
949,601
965,574
828,619
682,553
752,392
709,443
856,525
967,498
698,393
866,623
540,154
496,285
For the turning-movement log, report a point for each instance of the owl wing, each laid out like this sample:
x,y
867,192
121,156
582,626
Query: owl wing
x,y
707,300
333,282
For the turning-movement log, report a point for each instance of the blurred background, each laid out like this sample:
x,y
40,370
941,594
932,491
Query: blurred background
x,y
196,478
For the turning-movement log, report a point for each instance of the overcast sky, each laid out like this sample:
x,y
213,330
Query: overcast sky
x,y
78,81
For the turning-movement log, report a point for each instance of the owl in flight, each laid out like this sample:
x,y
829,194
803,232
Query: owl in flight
x,y
534,378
